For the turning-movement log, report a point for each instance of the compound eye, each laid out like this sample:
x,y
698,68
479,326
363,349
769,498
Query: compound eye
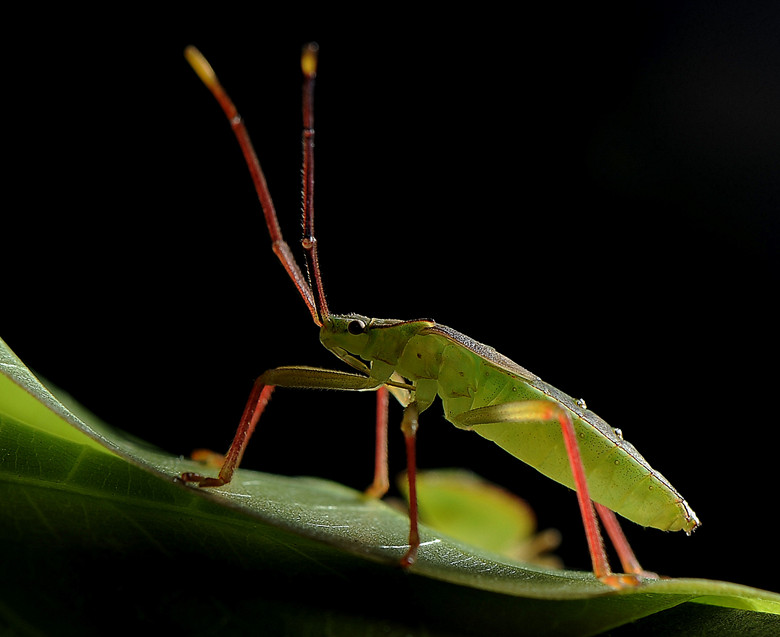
x,y
356,327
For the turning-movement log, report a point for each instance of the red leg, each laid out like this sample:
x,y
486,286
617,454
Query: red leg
x,y
595,542
531,410
381,482
593,535
258,399
409,427
625,553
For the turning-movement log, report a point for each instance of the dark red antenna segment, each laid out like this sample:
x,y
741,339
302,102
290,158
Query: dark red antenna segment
x,y
309,241
316,307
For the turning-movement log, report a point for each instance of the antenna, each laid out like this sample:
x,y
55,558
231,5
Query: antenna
x,y
316,304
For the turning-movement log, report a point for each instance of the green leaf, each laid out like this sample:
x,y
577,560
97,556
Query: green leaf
x,y
98,535
467,507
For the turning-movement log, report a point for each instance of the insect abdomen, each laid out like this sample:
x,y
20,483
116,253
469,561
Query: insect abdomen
x,y
618,476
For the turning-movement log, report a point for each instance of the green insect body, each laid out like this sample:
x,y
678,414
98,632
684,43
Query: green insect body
x,y
481,390
468,375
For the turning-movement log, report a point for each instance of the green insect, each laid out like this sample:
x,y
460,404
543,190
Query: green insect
x,y
481,390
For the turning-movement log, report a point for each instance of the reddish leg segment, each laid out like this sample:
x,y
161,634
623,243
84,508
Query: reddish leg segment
x,y
381,482
549,411
258,399
592,534
409,426
299,376
598,555
626,555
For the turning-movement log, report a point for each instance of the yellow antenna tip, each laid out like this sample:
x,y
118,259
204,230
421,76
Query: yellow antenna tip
x,y
309,59
201,66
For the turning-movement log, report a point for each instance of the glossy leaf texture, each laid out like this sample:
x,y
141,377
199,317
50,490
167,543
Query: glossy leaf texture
x,y
97,534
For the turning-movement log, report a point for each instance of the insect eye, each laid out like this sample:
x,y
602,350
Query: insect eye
x,y
356,327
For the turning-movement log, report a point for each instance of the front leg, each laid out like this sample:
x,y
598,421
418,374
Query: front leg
x,y
302,377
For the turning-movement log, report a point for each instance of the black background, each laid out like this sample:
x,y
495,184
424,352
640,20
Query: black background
x,y
593,192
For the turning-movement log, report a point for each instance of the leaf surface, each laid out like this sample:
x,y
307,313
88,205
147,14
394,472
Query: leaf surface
x,y
98,533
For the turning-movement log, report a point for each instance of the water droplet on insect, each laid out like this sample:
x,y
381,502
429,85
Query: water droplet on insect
x,y
581,403
617,461
619,433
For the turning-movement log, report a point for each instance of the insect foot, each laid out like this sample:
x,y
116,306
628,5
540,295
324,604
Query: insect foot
x,y
201,481
409,558
619,581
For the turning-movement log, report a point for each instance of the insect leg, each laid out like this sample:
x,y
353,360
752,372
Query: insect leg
x,y
258,399
303,377
625,553
542,410
409,426
398,387
381,482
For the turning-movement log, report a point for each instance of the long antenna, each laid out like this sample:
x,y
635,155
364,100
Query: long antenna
x,y
201,66
309,241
